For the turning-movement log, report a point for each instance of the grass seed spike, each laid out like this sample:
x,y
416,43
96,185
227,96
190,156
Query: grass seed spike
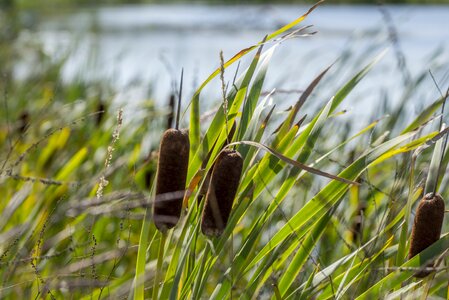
x,y
171,175
427,226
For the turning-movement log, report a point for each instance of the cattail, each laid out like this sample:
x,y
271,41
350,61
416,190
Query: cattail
x,y
221,193
427,226
171,178
205,186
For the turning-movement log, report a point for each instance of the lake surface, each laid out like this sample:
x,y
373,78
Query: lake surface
x,y
138,48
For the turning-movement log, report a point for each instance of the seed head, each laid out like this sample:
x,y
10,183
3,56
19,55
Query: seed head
x,y
171,178
427,226
221,192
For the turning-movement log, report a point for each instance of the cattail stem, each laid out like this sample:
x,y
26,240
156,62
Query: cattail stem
x,y
160,259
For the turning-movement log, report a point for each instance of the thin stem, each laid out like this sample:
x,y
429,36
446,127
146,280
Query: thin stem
x,y
178,113
160,259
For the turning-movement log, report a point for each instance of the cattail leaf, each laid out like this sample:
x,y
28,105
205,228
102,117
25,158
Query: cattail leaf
x,y
308,283
179,256
263,271
249,152
302,99
174,282
405,226
302,254
250,102
352,273
72,165
326,198
255,122
404,292
311,132
406,270
322,276
350,85
267,167
413,145
424,116
194,125
139,278
434,168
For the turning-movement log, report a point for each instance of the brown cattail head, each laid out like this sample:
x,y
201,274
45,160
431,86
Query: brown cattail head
x,y
205,185
171,178
221,193
427,226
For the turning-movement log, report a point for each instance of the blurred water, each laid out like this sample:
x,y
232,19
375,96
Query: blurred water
x,y
128,44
